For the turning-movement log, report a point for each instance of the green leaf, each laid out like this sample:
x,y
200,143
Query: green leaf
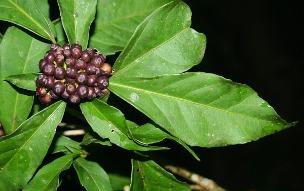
x,y
44,7
91,175
16,104
116,21
47,178
89,139
147,175
162,44
61,38
23,151
28,15
64,144
24,81
201,109
119,181
109,123
77,16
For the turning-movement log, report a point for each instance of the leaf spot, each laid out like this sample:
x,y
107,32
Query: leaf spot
x,y
134,97
87,178
43,181
75,14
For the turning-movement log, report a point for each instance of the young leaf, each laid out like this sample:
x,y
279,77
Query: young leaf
x,y
62,144
23,151
109,123
47,178
91,175
116,20
20,53
24,81
201,109
28,15
77,16
147,175
162,44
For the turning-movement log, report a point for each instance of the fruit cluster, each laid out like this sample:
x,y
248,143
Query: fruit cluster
x,y
72,74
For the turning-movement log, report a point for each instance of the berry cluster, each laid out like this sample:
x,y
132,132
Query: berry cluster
x,y
72,74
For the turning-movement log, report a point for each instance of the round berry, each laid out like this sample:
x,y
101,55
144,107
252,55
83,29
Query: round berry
x,y
71,72
59,51
48,69
76,52
50,57
67,53
59,59
85,56
58,87
82,91
91,51
74,98
98,92
45,99
106,68
70,61
41,80
81,78
50,82
97,61
66,46
65,94
53,95
42,63
81,64
55,46
102,82
71,89
69,80
59,73
76,45
90,69
91,93
92,80
41,91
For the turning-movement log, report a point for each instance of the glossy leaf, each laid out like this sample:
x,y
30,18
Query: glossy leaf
x,y
201,109
24,81
28,15
77,16
61,38
147,175
47,178
162,44
23,151
89,138
91,175
109,123
65,144
116,21
16,104
119,181
44,7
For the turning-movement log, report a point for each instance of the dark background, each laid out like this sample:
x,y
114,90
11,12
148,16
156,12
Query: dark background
x,y
258,43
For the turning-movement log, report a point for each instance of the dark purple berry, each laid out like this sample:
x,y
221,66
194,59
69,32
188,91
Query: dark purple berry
x,y
82,91
59,73
65,94
105,91
98,72
71,72
50,57
58,87
76,45
42,63
70,80
59,59
41,91
66,46
98,92
85,56
90,69
97,61
76,52
45,99
74,98
81,64
48,69
106,68
70,61
71,89
67,53
91,51
92,80
102,82
91,93
82,78
59,51
50,82
55,46
41,80
53,95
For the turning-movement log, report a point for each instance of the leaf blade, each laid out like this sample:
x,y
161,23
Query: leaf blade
x,y
91,175
28,15
116,20
26,55
77,16
24,81
175,48
47,178
211,111
17,149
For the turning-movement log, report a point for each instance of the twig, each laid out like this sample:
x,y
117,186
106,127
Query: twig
x,y
201,183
